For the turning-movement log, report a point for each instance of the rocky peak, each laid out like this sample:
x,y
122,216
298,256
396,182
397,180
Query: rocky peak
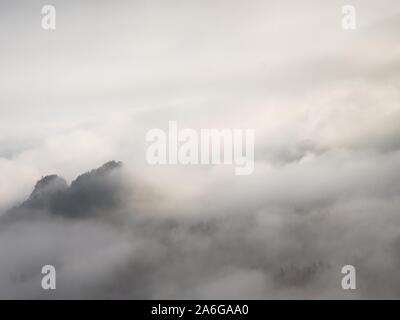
x,y
98,173
94,192
48,185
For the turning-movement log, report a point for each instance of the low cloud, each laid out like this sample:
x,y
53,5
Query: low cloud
x,y
268,248
324,104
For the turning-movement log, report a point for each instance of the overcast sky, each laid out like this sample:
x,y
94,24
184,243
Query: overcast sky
x,y
324,103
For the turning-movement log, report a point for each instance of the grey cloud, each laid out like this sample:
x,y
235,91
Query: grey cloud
x,y
325,191
269,252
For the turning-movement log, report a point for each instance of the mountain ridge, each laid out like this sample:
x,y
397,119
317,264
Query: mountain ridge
x,y
91,192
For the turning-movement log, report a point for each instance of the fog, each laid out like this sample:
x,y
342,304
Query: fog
x,y
323,101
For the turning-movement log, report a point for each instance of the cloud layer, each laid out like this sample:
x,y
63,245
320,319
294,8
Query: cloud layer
x,y
325,106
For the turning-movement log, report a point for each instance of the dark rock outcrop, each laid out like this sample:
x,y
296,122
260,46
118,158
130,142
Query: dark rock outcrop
x,y
94,192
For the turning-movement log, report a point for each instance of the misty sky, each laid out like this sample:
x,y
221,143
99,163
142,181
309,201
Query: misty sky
x,y
324,103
